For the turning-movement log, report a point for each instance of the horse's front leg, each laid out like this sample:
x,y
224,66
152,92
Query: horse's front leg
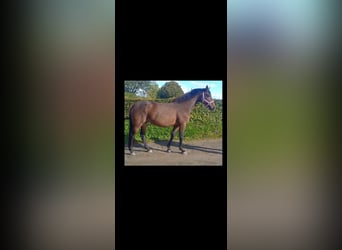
x,y
174,130
181,138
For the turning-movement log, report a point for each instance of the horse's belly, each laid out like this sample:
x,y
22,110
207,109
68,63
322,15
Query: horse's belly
x,y
162,120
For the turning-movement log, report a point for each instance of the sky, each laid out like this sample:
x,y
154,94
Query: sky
x,y
214,86
300,21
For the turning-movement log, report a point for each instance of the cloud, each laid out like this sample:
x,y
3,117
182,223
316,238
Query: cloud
x,y
198,84
185,89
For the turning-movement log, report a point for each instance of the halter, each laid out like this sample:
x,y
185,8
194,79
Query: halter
x,y
205,101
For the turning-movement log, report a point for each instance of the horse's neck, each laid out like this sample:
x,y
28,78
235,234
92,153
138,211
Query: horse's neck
x,y
191,103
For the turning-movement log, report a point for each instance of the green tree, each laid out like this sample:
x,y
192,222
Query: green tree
x,y
169,90
152,90
132,87
142,88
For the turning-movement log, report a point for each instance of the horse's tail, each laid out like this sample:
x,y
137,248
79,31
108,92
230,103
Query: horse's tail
x,y
130,128
130,125
130,120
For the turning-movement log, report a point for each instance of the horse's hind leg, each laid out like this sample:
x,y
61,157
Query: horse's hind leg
x,y
181,138
174,130
143,138
133,131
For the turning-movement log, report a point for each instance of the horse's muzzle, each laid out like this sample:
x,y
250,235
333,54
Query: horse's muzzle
x,y
212,108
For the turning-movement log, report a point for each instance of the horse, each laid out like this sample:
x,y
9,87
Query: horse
x,y
175,113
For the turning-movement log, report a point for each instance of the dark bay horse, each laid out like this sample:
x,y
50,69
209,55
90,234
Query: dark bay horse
x,y
175,113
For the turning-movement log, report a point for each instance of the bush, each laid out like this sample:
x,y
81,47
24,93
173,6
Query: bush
x,y
203,123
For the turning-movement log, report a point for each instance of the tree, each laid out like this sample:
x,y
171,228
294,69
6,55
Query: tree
x,y
132,86
152,90
140,87
169,90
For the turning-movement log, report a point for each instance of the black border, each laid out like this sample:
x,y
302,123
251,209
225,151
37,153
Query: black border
x,y
161,207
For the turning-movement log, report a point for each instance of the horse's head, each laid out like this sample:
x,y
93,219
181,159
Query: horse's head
x,y
206,99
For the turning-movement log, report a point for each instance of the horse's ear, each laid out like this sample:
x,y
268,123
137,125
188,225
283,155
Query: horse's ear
x,y
207,87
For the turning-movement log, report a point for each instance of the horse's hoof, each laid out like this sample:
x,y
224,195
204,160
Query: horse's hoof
x,y
184,152
169,150
132,153
149,150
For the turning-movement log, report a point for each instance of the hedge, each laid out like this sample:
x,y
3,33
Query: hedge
x,y
203,123
199,114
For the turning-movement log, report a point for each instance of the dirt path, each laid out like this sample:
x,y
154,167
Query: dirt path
x,y
199,152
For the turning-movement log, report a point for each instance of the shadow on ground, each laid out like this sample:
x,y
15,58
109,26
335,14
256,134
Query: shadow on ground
x,y
174,147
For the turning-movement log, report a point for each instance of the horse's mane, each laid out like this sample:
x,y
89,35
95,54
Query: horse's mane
x,y
187,96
